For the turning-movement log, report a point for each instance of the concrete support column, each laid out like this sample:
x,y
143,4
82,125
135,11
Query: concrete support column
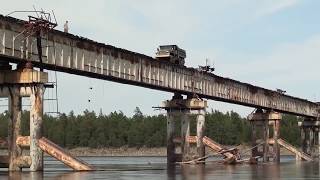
x,y
15,109
254,150
36,114
171,155
185,133
314,142
266,141
276,136
310,137
200,132
311,141
303,134
184,108
319,142
262,119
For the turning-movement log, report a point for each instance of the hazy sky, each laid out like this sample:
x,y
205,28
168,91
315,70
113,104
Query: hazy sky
x,y
269,43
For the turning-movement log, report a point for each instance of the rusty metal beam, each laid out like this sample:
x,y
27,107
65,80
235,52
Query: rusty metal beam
x,y
23,141
21,161
292,149
63,156
76,55
213,146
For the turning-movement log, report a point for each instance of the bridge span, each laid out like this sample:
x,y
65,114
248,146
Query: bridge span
x,y
77,55
35,43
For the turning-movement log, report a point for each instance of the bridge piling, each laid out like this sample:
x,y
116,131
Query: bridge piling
x,y
261,120
200,132
309,129
171,148
179,108
276,136
36,121
15,109
16,84
185,133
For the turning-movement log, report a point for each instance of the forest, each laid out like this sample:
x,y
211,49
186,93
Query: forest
x,y
116,129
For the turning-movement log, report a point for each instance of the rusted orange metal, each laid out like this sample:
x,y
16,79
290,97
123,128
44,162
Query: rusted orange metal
x,y
229,156
63,156
23,141
292,149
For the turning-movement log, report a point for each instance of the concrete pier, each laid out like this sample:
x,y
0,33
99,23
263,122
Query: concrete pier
x,y
276,137
171,147
185,133
15,109
36,122
16,84
309,130
179,108
200,132
261,121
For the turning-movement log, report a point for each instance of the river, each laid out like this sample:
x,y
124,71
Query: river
x,y
146,168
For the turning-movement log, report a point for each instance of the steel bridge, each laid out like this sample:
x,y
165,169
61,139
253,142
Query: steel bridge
x,y
64,52
77,55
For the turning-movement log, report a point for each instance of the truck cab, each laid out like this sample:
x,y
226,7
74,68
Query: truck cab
x,y
172,54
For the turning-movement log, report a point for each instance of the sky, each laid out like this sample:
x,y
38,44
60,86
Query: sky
x,y
268,43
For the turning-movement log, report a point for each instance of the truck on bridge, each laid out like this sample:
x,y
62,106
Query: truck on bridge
x,y
172,54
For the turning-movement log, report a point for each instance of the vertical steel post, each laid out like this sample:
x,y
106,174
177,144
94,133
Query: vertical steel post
x,y
36,114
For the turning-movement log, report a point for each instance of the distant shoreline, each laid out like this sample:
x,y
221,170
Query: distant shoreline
x,y
131,151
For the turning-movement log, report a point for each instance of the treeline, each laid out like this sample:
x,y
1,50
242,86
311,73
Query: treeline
x,y
116,129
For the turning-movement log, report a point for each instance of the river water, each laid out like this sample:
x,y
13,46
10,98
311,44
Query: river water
x,y
146,168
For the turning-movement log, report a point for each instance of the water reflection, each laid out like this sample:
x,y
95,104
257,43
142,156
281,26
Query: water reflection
x,y
265,171
72,175
136,168
25,175
193,172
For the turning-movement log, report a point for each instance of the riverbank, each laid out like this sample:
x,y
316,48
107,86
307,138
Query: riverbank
x,y
133,151
145,151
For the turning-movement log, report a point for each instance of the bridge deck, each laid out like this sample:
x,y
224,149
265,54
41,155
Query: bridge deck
x,y
72,54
